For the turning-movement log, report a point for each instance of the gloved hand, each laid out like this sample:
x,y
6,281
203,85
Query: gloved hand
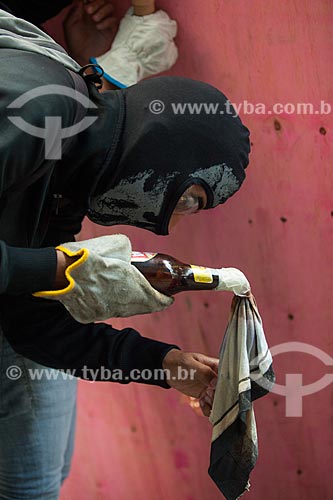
x,y
103,283
143,47
233,280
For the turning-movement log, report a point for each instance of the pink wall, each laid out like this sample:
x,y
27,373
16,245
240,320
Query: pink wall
x,y
145,443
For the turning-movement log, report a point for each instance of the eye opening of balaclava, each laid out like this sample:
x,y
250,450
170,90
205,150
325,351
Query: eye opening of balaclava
x,y
169,204
160,154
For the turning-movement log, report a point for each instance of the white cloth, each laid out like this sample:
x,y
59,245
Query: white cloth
x,y
245,374
16,33
233,280
143,47
104,284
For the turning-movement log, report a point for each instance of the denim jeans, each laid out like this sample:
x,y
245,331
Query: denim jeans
x,y
37,425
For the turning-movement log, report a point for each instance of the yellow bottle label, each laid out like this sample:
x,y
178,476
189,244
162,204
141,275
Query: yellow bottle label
x,y
202,274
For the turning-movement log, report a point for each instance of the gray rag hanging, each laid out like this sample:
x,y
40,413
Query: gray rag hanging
x,y
245,374
16,33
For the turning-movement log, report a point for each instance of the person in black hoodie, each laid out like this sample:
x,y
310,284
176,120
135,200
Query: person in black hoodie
x,y
130,166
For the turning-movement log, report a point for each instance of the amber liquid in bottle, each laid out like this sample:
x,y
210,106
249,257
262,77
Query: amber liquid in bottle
x,y
170,276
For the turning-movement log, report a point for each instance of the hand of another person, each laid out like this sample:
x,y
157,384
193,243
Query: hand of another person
x,y
89,28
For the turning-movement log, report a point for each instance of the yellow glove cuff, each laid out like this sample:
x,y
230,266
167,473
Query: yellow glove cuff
x,y
83,253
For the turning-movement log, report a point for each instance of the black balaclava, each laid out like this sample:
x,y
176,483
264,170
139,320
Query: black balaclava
x,y
162,152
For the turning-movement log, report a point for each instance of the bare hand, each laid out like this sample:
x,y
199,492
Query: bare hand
x,y
89,28
194,375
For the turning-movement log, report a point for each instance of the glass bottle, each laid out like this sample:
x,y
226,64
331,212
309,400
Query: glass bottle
x,y
170,276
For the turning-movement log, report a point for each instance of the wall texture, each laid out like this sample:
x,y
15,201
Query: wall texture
x,y
146,443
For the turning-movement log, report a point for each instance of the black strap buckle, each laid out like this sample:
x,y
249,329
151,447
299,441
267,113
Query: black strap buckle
x,y
96,77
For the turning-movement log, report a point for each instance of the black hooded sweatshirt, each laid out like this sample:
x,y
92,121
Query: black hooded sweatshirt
x,y
33,221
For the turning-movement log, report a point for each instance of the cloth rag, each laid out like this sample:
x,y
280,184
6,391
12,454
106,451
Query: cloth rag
x,y
245,374
143,47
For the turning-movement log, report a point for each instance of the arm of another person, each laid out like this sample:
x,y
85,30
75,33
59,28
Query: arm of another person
x,y
89,29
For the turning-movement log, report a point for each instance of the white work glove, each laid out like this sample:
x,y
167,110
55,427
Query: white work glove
x,y
103,283
143,47
233,280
